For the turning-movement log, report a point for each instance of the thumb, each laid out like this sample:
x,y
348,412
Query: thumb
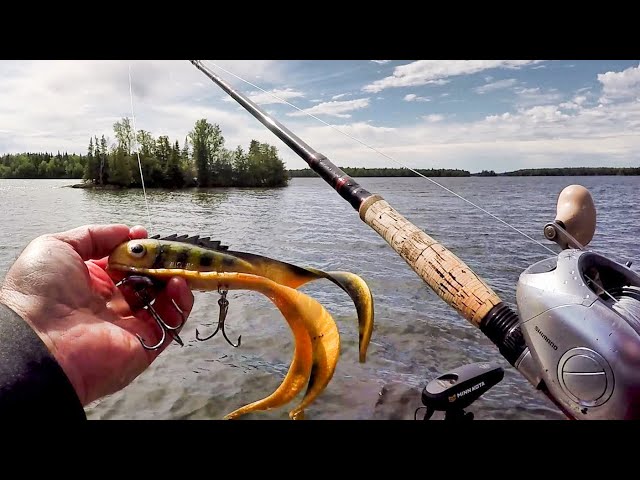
x,y
98,241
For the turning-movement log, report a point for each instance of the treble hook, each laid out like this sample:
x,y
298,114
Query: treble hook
x,y
224,308
141,284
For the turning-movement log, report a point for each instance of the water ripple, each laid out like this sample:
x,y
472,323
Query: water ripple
x,y
416,337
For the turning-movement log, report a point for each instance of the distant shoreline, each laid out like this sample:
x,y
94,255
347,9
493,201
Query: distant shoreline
x,y
531,172
358,172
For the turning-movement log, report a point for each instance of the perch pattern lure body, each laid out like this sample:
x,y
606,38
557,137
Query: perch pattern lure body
x,y
209,266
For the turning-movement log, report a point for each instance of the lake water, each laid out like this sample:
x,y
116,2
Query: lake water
x,y
417,336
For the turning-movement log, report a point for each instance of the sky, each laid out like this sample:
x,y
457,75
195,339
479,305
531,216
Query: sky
x,y
475,115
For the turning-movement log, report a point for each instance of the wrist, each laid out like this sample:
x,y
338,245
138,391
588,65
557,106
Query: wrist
x,y
32,382
16,301
24,308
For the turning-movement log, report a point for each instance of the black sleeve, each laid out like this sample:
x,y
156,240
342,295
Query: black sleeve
x,y
32,383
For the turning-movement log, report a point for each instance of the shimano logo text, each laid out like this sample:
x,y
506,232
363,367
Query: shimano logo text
x,y
546,339
469,390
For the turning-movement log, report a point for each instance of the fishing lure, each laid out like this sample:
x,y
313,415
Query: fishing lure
x,y
208,265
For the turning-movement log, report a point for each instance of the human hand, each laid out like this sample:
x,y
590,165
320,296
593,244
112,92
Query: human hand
x,y
60,287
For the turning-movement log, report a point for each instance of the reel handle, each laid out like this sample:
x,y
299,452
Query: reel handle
x,y
576,215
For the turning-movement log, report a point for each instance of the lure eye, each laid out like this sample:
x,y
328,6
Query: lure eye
x,y
137,250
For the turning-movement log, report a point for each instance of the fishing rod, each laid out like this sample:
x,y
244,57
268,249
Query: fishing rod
x,y
576,336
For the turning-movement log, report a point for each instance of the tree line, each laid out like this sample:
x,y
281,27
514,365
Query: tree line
x,y
42,165
386,172
202,161
573,171
444,172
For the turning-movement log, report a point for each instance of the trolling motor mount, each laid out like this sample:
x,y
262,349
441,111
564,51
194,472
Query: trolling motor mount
x,y
457,389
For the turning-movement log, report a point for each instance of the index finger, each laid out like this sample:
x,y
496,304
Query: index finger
x,y
94,241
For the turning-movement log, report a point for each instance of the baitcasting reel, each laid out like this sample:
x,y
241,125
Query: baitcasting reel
x,y
457,389
579,314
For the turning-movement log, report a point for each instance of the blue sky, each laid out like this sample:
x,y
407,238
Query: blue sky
x,y
476,114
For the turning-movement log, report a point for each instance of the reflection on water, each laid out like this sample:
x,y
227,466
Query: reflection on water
x,y
416,337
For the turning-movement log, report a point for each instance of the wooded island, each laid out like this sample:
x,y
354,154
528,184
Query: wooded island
x,y
202,161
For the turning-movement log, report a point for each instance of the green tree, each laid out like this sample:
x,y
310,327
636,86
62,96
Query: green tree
x,y
265,169
124,135
90,170
119,168
163,154
174,175
208,142
240,167
103,169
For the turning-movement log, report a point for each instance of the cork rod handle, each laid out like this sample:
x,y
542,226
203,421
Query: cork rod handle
x,y
446,274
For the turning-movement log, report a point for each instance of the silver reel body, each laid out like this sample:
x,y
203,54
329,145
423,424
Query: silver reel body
x,y
580,317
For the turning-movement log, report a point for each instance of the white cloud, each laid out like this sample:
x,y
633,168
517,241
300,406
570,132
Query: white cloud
x,y
580,99
61,104
575,104
423,72
277,95
528,97
497,85
334,108
412,97
434,117
535,136
381,62
619,85
340,95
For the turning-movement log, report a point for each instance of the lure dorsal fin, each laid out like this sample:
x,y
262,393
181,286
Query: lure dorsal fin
x,y
197,240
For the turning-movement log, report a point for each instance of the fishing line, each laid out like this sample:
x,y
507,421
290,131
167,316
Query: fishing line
x,y
135,139
390,158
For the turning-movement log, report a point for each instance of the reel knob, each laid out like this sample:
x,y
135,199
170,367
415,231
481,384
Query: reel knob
x,y
576,213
